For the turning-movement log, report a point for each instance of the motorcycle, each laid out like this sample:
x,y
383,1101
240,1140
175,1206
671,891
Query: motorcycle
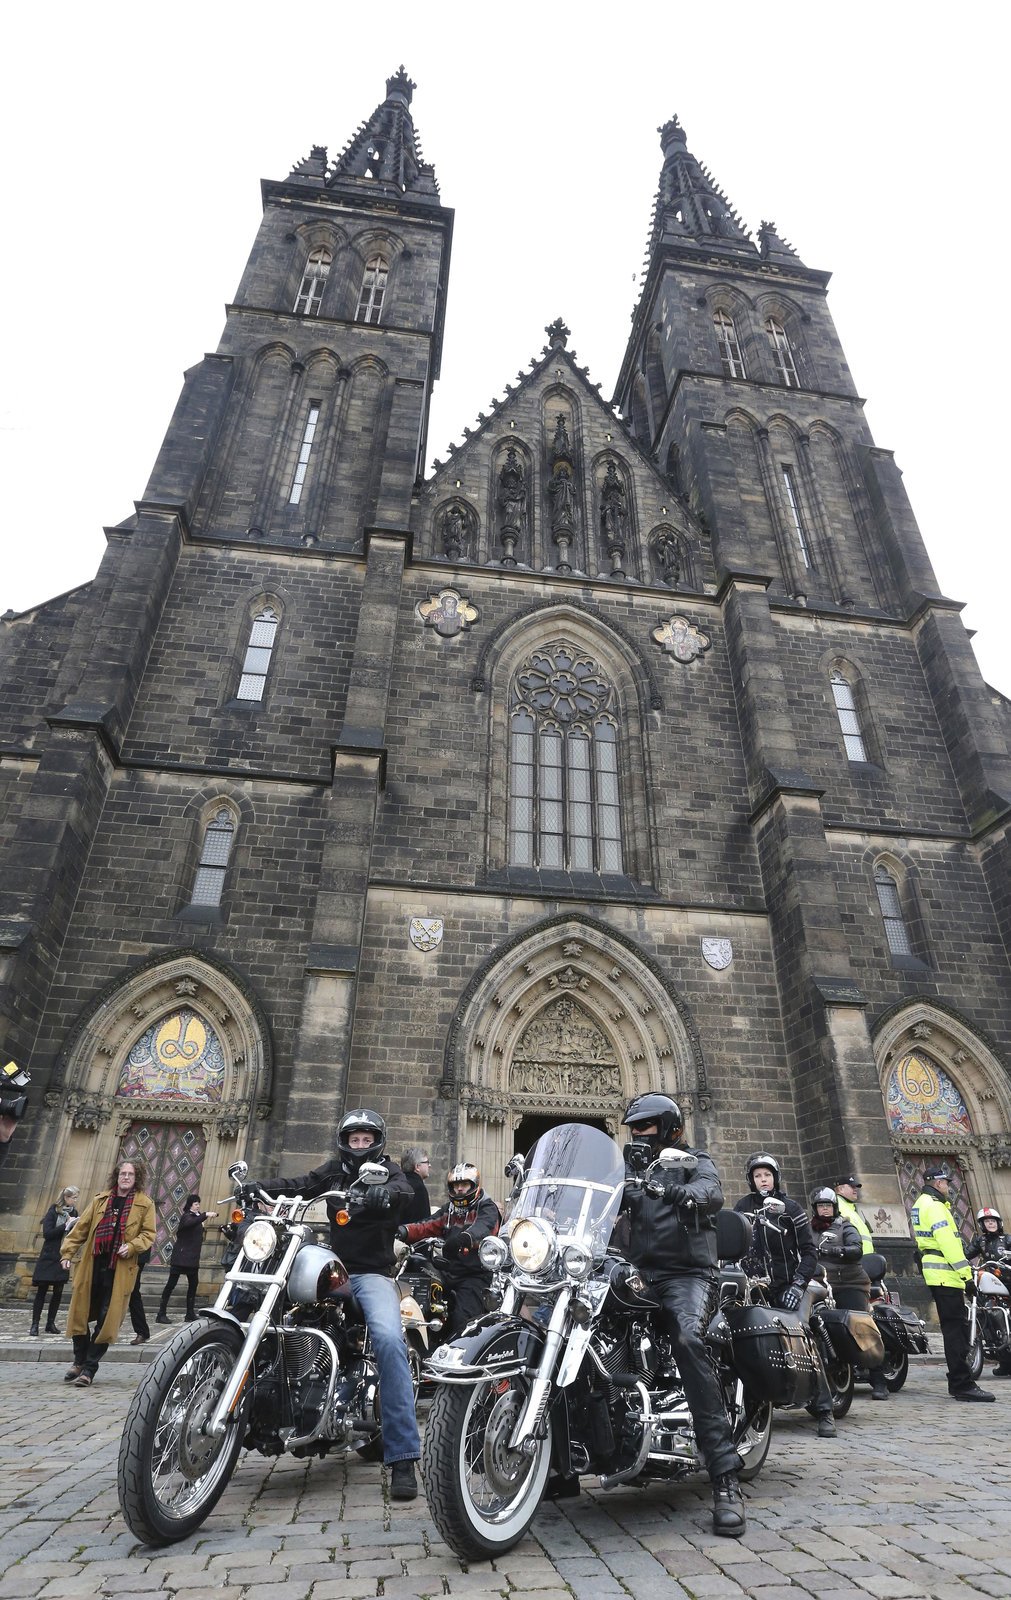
x,y
822,1321
281,1363
902,1332
572,1373
423,1303
990,1313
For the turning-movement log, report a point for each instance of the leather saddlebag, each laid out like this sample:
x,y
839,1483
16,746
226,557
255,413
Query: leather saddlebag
x,y
773,1355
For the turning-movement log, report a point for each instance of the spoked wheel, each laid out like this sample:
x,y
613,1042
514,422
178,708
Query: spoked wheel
x,y
482,1494
976,1358
172,1471
895,1370
753,1445
840,1382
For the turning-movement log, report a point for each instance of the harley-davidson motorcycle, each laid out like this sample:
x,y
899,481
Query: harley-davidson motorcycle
x,y
282,1362
573,1372
990,1313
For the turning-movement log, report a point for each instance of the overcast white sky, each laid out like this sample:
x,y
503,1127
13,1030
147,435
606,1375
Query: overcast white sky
x,y
134,137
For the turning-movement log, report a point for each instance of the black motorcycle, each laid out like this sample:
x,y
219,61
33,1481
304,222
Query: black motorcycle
x,y
574,1372
990,1313
281,1363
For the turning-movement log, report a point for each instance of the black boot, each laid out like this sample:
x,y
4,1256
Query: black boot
x,y
728,1506
403,1483
879,1388
33,1331
826,1425
162,1313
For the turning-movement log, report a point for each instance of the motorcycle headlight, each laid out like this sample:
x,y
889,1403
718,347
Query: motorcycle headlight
x,y
493,1252
259,1240
531,1244
577,1261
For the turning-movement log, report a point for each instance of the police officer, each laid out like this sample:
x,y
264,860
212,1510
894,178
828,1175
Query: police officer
x,y
947,1275
786,1253
469,1216
365,1245
848,1193
673,1243
840,1252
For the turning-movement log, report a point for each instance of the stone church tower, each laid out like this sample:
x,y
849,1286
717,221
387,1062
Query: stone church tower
x,y
634,747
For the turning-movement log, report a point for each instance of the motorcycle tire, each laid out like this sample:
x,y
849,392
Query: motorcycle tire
x,y
171,1474
976,1355
753,1446
482,1496
895,1370
840,1382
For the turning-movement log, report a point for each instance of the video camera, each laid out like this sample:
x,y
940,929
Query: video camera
x,y
12,1079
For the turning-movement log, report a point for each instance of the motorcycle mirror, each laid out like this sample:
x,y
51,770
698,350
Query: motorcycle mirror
x,y
238,1171
373,1172
678,1158
773,1207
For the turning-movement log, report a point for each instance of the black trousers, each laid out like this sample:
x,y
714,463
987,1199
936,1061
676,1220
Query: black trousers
x,y
466,1301
951,1314
87,1353
191,1274
689,1301
41,1291
138,1316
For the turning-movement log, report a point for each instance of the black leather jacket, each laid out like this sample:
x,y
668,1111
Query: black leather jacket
x,y
989,1246
365,1244
840,1250
676,1238
788,1257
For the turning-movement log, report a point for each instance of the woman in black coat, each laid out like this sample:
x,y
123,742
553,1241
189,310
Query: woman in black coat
x,y
49,1274
184,1262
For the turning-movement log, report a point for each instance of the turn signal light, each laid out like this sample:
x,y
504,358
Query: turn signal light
x,y
342,1218
236,1215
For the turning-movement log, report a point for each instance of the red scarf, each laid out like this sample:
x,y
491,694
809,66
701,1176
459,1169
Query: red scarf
x,y
109,1233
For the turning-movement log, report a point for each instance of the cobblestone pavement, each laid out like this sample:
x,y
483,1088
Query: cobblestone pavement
x,y
832,1518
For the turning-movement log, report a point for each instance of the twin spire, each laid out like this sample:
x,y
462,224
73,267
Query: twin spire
x,y
385,152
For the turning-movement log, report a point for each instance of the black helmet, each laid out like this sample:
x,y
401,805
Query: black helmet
x,y
658,1108
824,1196
762,1158
360,1122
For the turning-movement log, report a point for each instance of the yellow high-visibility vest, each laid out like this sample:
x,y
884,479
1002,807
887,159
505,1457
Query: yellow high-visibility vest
x,y
942,1253
848,1210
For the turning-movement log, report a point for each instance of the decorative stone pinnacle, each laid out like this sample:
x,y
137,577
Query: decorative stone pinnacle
x,y
400,84
558,334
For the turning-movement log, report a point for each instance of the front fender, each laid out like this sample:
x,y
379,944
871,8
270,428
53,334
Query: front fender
x,y
500,1347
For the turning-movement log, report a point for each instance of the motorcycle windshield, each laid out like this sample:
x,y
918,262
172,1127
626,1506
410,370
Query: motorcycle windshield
x,y
574,1181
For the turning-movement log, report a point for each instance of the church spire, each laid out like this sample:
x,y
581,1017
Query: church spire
x,y
385,153
691,208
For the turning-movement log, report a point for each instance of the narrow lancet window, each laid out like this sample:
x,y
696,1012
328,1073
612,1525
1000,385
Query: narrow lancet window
x,y
896,928
782,355
310,294
302,464
729,345
793,505
849,717
209,883
373,291
258,652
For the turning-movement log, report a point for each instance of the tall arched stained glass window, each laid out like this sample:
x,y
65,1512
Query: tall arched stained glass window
x,y
310,290
564,780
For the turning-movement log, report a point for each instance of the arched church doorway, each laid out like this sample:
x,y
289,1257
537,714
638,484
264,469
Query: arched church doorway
x,y
530,1129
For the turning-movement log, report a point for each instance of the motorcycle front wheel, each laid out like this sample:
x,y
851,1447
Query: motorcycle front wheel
x,y
976,1358
171,1471
482,1495
753,1445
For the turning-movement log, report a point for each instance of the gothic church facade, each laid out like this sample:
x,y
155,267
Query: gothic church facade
x,y
633,747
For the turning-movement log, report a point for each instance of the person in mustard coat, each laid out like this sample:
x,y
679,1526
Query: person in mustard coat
x,y
116,1228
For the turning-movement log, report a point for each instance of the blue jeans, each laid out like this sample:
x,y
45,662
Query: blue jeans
x,y
379,1299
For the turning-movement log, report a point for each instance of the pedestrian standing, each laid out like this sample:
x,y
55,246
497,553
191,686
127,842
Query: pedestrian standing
x,y
138,1316
415,1166
50,1274
948,1276
111,1233
184,1262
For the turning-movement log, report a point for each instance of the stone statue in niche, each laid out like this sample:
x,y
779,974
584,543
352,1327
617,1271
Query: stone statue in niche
x,y
561,492
454,531
560,447
614,518
669,558
512,504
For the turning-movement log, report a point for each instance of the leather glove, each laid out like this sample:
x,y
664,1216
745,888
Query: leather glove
x,y
791,1297
376,1199
676,1194
970,1289
830,1250
456,1242
402,1234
